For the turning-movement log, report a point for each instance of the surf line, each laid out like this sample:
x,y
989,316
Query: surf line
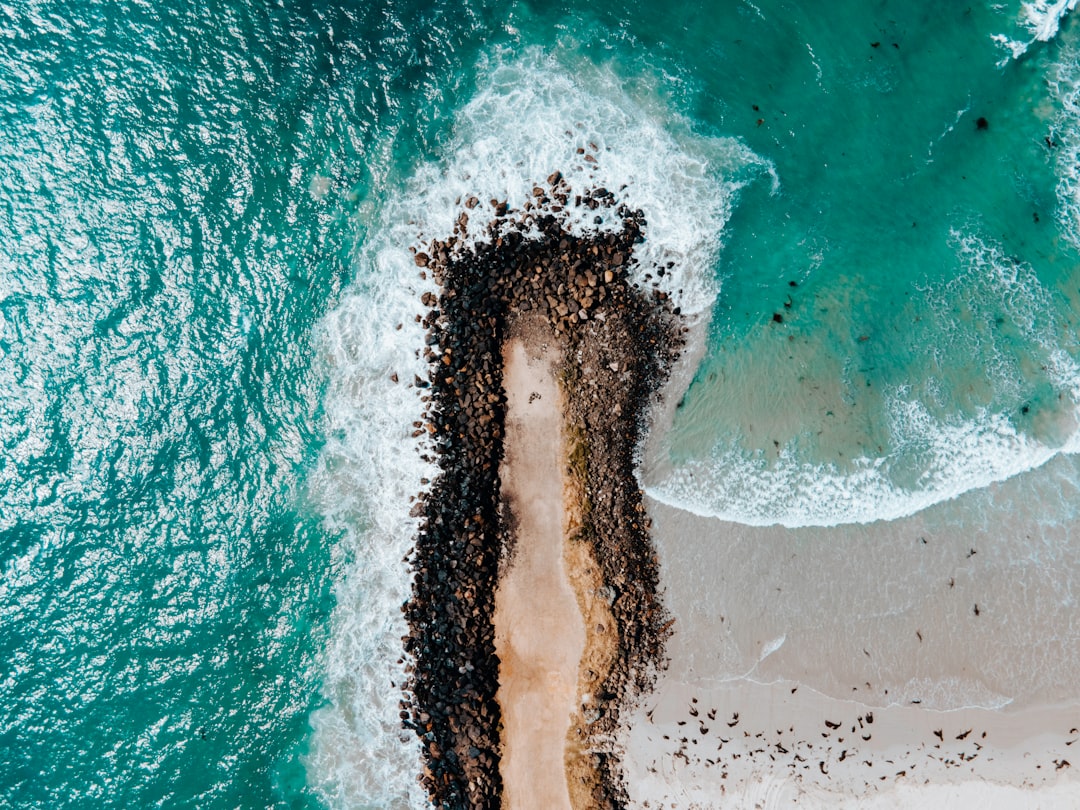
x,y
515,687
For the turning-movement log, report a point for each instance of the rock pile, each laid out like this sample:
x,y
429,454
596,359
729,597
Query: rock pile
x,y
618,341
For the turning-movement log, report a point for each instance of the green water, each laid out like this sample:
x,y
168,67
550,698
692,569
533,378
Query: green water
x,y
165,589
870,196
192,586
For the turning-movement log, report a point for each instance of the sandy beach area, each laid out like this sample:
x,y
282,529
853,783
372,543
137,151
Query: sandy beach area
x,y
787,690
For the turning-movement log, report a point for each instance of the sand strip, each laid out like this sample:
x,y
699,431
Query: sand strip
x,y
539,632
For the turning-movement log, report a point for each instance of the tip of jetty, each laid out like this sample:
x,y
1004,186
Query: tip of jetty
x,y
617,339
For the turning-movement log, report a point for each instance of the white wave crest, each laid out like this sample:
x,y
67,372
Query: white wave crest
x,y
1064,84
534,115
1042,19
528,119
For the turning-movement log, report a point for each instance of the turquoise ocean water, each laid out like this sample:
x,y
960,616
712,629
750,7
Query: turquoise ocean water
x,y
206,468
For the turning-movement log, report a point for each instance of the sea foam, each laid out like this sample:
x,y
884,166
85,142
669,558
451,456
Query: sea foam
x,y
529,117
1041,19
1064,84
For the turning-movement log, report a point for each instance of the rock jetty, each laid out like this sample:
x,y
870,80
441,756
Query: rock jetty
x,y
617,339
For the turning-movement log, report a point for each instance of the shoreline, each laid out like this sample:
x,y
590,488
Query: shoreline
x,y
735,648
700,654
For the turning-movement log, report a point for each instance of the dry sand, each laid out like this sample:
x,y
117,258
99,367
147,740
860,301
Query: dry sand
x,y
838,668
539,631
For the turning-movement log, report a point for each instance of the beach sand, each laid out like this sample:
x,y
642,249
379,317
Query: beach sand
x,y
539,631
791,687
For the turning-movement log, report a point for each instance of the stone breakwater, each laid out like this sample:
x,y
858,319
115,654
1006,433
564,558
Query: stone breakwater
x,y
616,340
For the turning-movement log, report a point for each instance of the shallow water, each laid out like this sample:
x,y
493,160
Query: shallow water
x,y
206,470
897,325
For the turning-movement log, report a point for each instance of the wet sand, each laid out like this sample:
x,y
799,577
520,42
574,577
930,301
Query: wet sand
x,y
539,631
930,661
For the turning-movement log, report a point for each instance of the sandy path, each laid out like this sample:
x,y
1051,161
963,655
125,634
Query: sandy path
x,y
539,632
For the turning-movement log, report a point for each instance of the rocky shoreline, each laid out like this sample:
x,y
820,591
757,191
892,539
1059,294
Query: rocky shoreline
x,y
617,341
